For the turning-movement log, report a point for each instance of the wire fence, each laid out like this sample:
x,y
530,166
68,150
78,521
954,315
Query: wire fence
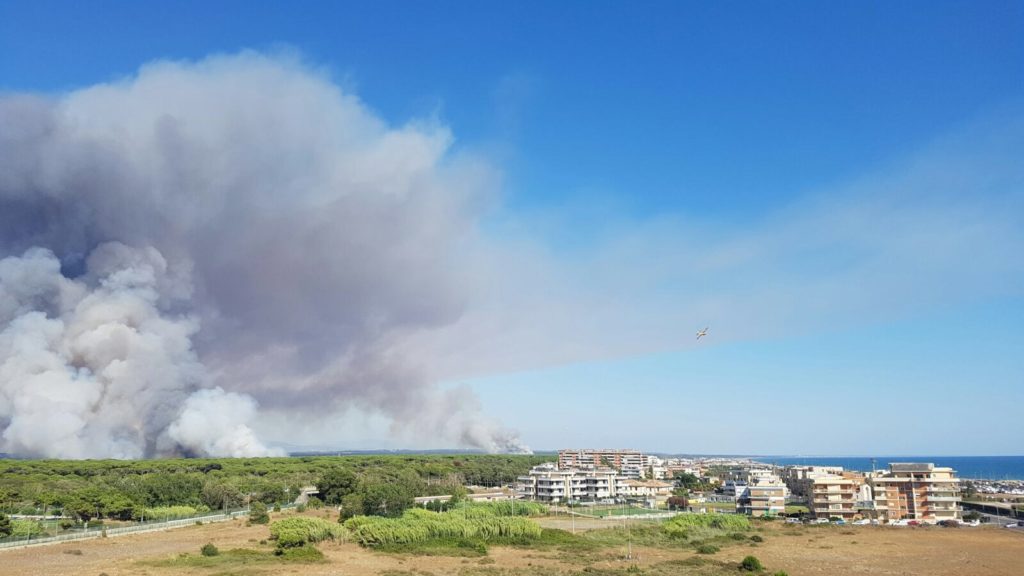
x,y
103,531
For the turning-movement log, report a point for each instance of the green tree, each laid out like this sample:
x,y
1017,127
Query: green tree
x,y
351,505
5,526
687,481
335,484
385,500
218,494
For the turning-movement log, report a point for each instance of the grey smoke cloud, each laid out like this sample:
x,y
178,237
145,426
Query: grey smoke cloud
x,y
256,235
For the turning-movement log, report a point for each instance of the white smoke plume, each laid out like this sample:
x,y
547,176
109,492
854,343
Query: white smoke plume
x,y
93,367
202,238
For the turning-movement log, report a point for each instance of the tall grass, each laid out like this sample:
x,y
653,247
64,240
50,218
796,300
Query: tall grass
x,y
684,525
299,531
417,525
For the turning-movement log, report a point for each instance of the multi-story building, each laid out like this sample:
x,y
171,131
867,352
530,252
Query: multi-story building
x,y
549,484
734,488
603,458
762,499
915,491
836,495
646,489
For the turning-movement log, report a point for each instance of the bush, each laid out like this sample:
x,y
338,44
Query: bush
x,y
707,549
751,564
307,553
169,512
757,538
780,573
258,513
209,549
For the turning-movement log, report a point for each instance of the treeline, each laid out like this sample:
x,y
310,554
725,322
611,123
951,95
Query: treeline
x,y
117,489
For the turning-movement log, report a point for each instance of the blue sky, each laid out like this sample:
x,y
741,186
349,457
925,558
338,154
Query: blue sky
x,y
623,130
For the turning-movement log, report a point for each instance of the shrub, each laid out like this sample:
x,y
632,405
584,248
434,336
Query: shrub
x,y
209,549
300,508
737,536
258,513
707,549
780,573
307,553
757,538
26,528
170,512
751,564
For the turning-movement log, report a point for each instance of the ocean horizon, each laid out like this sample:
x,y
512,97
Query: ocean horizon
x,y
972,467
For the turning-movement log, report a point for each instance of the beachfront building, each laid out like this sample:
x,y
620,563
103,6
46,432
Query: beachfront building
x,y
915,491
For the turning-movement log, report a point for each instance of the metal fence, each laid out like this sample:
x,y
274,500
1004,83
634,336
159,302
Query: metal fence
x,y
101,531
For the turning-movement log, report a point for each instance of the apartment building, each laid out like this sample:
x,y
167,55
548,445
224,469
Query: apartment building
x,y
634,460
646,489
762,499
915,491
841,495
799,478
546,483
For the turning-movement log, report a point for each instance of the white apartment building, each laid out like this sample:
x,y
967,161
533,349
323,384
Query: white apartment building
x,y
546,483
646,489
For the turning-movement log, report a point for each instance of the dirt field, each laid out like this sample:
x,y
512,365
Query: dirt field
x,y
833,550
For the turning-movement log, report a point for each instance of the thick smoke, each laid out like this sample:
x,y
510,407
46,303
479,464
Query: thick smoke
x,y
94,366
200,239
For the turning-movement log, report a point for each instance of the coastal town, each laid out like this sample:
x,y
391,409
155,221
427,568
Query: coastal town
x,y
902,493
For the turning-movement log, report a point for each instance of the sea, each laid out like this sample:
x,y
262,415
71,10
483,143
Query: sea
x,y
974,467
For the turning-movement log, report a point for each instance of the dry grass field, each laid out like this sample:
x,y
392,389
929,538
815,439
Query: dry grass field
x,y
797,550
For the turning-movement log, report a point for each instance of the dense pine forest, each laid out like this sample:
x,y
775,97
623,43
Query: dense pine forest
x,y
124,490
